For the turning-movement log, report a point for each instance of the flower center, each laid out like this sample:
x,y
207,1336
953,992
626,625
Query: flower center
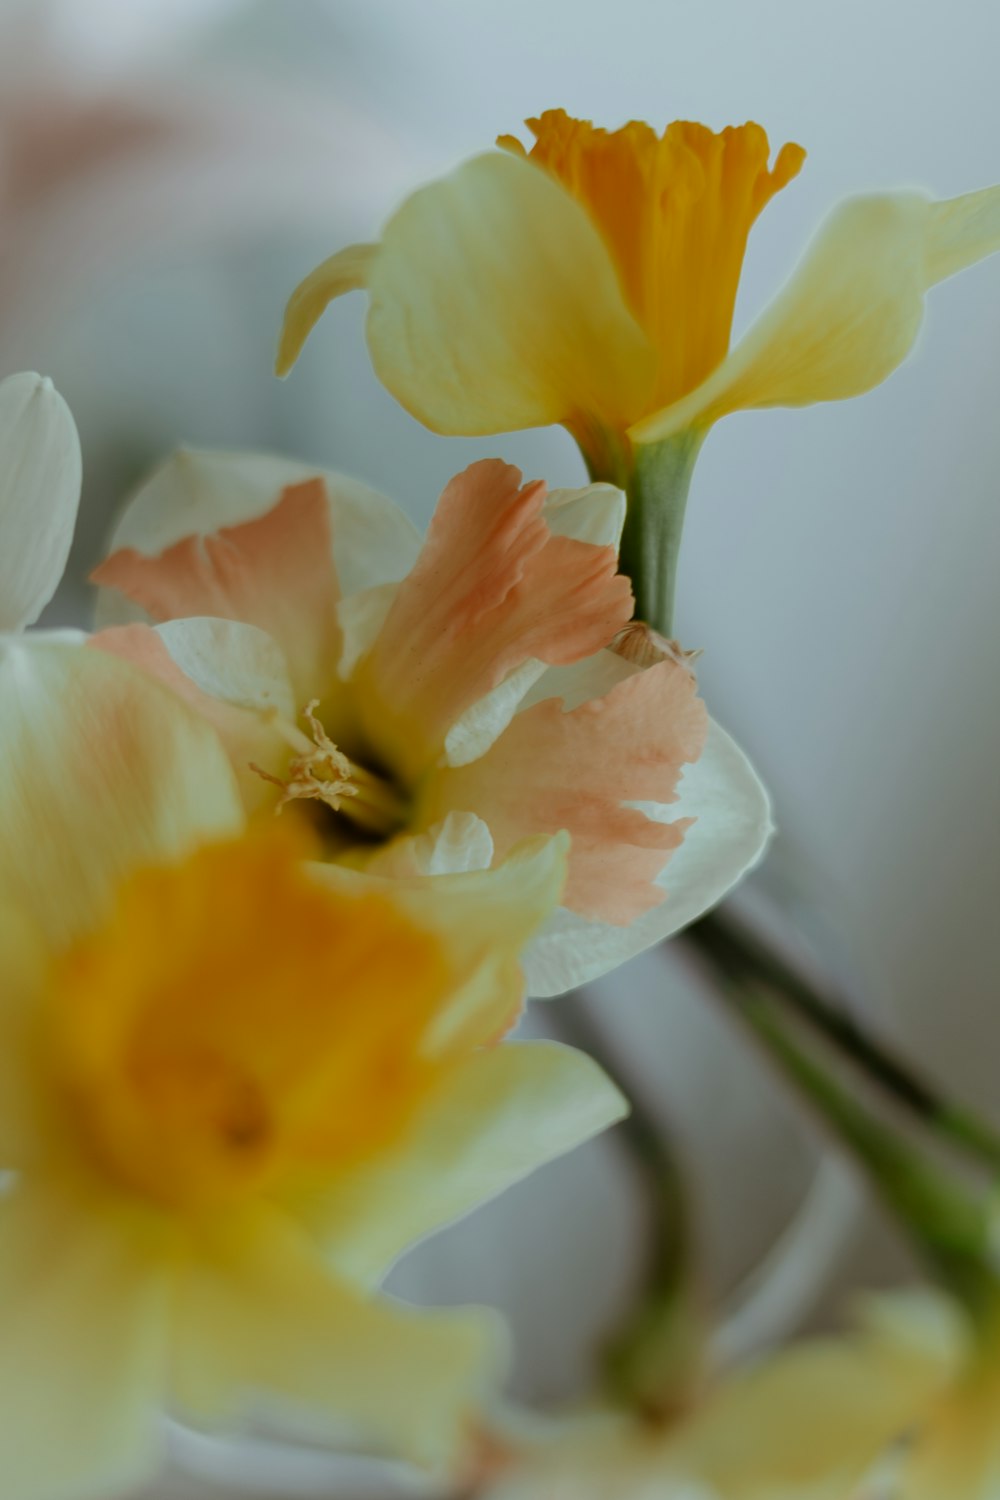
x,y
675,212
323,773
237,1024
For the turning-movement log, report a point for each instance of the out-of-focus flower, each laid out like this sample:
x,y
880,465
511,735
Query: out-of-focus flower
x,y
234,1088
40,473
593,284
953,1449
469,705
809,1423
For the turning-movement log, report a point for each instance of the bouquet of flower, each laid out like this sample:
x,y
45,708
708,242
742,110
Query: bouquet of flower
x,y
288,842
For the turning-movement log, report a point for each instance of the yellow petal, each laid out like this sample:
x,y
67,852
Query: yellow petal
x,y
83,1350
259,1317
807,1424
104,770
40,470
347,271
499,1117
851,311
495,305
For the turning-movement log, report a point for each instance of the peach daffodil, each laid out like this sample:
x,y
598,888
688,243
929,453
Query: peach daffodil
x,y
40,471
434,704
591,281
233,1089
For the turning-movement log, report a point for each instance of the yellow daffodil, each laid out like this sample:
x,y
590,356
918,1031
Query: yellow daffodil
x,y
809,1423
592,281
435,704
40,474
233,1088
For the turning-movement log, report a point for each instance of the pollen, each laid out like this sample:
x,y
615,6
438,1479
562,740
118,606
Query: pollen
x,y
675,211
238,1026
322,772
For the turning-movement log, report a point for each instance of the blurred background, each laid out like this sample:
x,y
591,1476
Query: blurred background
x,y
170,169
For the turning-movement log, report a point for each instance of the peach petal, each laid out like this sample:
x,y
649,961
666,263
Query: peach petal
x,y
492,588
275,572
552,769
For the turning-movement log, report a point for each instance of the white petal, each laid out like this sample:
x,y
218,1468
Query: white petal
x,y
594,514
40,472
473,734
197,492
722,792
850,312
361,617
461,842
232,661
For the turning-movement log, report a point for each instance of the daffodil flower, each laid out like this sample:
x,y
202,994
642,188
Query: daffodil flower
x,y
234,1086
592,281
436,704
814,1421
40,472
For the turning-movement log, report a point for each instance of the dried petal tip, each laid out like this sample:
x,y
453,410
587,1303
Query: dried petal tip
x,y
645,647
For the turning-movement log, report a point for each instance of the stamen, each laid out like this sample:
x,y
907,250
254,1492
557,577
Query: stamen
x,y
325,774
322,773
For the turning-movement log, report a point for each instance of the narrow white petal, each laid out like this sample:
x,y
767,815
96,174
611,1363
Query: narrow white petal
x,y
40,472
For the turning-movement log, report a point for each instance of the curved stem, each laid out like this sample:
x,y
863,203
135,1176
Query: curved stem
x,y
949,1225
732,950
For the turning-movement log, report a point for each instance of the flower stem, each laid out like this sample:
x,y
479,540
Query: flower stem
x,y
657,491
949,1225
729,947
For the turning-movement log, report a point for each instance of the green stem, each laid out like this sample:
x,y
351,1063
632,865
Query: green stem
x,y
729,946
657,499
949,1225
